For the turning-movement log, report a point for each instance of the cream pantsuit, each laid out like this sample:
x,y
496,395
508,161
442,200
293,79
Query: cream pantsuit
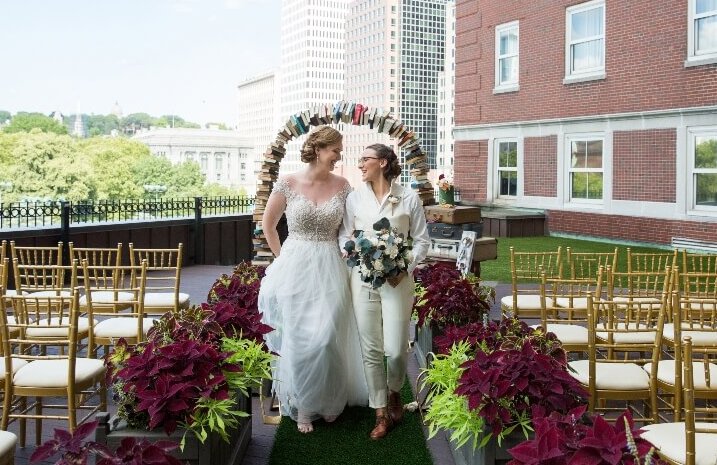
x,y
383,314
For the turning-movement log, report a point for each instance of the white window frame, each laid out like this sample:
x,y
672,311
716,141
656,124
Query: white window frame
x,y
569,170
499,169
590,74
507,86
692,134
695,57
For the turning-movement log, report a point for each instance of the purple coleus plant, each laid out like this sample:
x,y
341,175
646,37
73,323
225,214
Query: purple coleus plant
x,y
168,381
577,437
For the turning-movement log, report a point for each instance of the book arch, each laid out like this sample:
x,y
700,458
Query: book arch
x,y
345,112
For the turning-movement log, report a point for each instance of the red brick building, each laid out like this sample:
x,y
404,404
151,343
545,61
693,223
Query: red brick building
x,y
602,112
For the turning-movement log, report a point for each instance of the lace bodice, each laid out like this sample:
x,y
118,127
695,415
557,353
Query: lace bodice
x,y
309,221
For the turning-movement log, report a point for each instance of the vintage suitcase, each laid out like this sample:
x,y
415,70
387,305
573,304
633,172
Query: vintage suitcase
x,y
453,231
444,248
452,215
485,248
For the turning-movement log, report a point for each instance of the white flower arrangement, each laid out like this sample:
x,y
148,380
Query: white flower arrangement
x,y
380,254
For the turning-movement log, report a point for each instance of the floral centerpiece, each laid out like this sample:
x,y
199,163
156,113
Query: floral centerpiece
x,y
380,254
446,190
194,361
491,376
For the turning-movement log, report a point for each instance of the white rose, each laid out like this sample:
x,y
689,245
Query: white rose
x,y
378,265
374,241
392,251
363,269
384,236
397,240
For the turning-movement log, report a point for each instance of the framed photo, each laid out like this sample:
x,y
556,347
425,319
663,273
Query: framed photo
x,y
464,260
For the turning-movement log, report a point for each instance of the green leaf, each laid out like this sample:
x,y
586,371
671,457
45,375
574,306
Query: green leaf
x,y
383,223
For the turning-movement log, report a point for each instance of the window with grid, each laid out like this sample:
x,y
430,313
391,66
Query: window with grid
x,y
704,169
586,169
506,56
585,40
702,32
507,162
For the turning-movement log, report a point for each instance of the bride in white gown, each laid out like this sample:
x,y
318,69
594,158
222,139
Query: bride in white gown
x,y
305,294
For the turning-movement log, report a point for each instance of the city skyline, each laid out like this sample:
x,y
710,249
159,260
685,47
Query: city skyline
x,y
181,57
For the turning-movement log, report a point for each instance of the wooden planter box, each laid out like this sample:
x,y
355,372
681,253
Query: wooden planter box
x,y
491,454
214,451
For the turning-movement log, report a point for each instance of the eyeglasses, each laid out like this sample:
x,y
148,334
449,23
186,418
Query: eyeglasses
x,y
362,160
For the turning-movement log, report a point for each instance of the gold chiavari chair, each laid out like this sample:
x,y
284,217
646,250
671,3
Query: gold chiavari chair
x,y
622,337
4,277
563,311
691,442
47,373
699,262
104,262
30,255
164,268
526,269
650,262
130,322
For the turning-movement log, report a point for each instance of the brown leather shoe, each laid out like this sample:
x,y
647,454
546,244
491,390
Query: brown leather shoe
x,y
384,424
395,406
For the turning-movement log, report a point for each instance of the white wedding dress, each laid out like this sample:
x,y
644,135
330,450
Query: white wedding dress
x,y
305,297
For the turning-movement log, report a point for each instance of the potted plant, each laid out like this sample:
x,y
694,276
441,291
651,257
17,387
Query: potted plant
x,y
444,298
486,379
192,378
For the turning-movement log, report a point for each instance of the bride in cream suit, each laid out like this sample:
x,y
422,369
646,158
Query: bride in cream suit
x,y
383,314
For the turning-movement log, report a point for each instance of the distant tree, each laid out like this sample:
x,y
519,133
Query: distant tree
x,y
112,161
182,180
4,116
25,122
136,121
221,126
101,124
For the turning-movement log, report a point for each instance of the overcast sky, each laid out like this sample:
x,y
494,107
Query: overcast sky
x,y
182,57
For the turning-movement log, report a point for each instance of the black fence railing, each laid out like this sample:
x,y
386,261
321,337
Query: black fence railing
x,y
18,215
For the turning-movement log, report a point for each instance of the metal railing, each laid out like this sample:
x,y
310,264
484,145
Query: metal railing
x,y
18,215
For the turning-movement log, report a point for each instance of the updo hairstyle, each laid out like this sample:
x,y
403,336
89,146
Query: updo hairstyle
x,y
384,152
319,139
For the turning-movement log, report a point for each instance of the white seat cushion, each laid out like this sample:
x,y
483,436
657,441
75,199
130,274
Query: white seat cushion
x,y
10,293
613,376
53,373
50,294
569,334
525,301
16,365
666,374
636,338
45,329
670,439
165,299
7,444
107,297
699,338
578,302
121,327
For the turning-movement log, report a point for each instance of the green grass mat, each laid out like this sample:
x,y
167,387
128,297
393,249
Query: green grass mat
x,y
346,441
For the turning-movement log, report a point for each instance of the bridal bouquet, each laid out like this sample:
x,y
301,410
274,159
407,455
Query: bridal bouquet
x,y
380,254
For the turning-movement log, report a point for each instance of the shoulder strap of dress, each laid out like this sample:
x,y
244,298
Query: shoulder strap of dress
x,y
282,186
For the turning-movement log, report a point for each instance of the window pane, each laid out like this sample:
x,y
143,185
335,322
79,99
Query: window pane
x,y
578,153
594,186
705,152
508,70
706,189
706,34
508,155
579,185
704,6
594,154
508,42
508,183
587,55
586,24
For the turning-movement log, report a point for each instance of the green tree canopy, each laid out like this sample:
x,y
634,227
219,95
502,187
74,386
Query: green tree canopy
x,y
5,116
25,122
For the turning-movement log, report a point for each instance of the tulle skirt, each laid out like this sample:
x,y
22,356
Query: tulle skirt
x,y
305,297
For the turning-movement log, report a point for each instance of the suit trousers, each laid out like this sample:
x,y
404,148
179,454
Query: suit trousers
x,y
382,317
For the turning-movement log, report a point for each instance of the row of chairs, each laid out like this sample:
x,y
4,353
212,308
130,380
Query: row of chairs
x,y
40,269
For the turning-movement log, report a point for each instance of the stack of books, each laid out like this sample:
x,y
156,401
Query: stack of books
x,y
347,112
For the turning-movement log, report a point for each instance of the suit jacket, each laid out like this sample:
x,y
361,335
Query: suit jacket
x,y
405,213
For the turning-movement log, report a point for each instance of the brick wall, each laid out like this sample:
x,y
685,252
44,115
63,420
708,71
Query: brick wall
x,y
646,46
540,166
471,166
659,231
644,165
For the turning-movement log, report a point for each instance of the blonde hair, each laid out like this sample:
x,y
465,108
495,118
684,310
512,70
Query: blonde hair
x,y
319,139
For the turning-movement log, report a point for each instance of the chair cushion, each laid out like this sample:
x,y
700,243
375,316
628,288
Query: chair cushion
x,y
666,374
635,338
7,444
699,338
569,334
17,363
165,299
53,373
614,376
45,329
670,439
121,327
525,301
10,292
578,302
50,294
107,297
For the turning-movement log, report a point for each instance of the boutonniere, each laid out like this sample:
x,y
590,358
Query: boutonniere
x,y
393,200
